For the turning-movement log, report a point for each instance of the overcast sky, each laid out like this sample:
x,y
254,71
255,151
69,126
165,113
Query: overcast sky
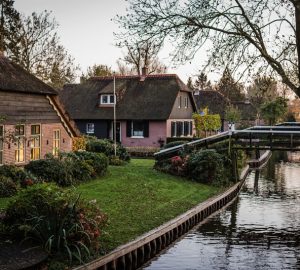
x,y
86,30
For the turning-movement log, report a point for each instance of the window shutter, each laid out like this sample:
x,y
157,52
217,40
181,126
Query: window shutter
x,y
146,129
128,129
186,128
173,129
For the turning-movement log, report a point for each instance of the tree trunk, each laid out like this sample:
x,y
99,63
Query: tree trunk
x,y
297,19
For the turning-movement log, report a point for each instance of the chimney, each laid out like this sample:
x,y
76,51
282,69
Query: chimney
x,y
145,71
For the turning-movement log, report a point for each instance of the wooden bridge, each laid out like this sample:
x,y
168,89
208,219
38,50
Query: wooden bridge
x,y
284,137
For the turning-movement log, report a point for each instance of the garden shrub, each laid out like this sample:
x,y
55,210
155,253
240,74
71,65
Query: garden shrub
x,y
98,161
15,173
7,187
107,147
207,166
58,219
51,169
116,161
172,144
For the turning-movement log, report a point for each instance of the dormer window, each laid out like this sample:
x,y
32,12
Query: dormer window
x,y
107,99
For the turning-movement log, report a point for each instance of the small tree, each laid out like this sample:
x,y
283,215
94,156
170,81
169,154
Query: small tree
x,y
275,110
206,122
232,114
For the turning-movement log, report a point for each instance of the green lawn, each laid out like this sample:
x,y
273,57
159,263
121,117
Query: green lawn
x,y
137,198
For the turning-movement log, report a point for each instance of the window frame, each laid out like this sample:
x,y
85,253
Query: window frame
x,y
132,130
109,99
56,143
186,102
179,102
35,137
20,141
88,130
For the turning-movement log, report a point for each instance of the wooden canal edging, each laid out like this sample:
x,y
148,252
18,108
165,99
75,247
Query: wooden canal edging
x,y
260,162
137,252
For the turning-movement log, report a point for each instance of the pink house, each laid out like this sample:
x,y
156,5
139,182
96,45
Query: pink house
x,y
149,108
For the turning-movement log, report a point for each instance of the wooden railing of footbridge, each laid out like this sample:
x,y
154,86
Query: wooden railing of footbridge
x,y
284,137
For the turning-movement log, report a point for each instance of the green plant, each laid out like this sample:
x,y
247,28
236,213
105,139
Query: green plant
x,y
107,147
116,161
56,218
274,110
206,122
7,187
172,144
206,166
98,161
49,170
232,114
15,173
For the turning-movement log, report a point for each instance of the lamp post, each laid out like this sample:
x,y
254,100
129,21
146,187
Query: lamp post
x,y
115,123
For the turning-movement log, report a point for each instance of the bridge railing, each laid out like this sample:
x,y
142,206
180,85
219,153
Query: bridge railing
x,y
172,151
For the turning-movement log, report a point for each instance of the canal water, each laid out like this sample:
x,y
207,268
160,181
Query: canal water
x,y
260,230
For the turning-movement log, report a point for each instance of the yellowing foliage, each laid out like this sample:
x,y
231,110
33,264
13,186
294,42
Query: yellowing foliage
x,y
79,143
206,122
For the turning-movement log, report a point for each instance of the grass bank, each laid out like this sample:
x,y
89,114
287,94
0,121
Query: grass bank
x,y
137,198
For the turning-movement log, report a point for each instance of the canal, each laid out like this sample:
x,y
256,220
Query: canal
x,y
260,230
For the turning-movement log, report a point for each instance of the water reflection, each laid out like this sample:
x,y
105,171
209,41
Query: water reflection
x,y
261,230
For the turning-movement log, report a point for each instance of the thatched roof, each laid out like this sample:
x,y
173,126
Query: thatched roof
x,y
217,104
15,78
213,100
148,97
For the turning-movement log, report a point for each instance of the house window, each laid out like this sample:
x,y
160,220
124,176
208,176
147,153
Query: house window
x,y
107,99
20,143
35,144
138,129
1,143
90,128
186,102
180,128
179,102
56,142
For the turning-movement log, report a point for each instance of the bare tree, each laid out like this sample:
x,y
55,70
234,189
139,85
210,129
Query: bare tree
x,y
142,54
244,35
38,50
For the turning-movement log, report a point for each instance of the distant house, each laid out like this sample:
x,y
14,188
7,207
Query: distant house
x,y
32,120
217,104
149,108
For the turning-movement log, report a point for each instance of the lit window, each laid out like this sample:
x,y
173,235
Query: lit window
x,y
35,144
1,143
20,143
90,128
56,142
107,99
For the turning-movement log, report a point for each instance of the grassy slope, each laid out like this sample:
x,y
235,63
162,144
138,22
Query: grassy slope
x,y
137,199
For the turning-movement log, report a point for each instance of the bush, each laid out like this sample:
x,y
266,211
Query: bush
x,y
7,187
207,166
56,218
51,169
172,144
98,161
107,147
116,161
15,173
142,151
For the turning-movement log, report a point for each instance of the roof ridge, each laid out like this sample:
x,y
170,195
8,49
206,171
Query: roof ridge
x,y
164,75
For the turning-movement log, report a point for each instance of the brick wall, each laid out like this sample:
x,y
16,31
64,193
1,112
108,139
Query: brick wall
x,y
47,133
